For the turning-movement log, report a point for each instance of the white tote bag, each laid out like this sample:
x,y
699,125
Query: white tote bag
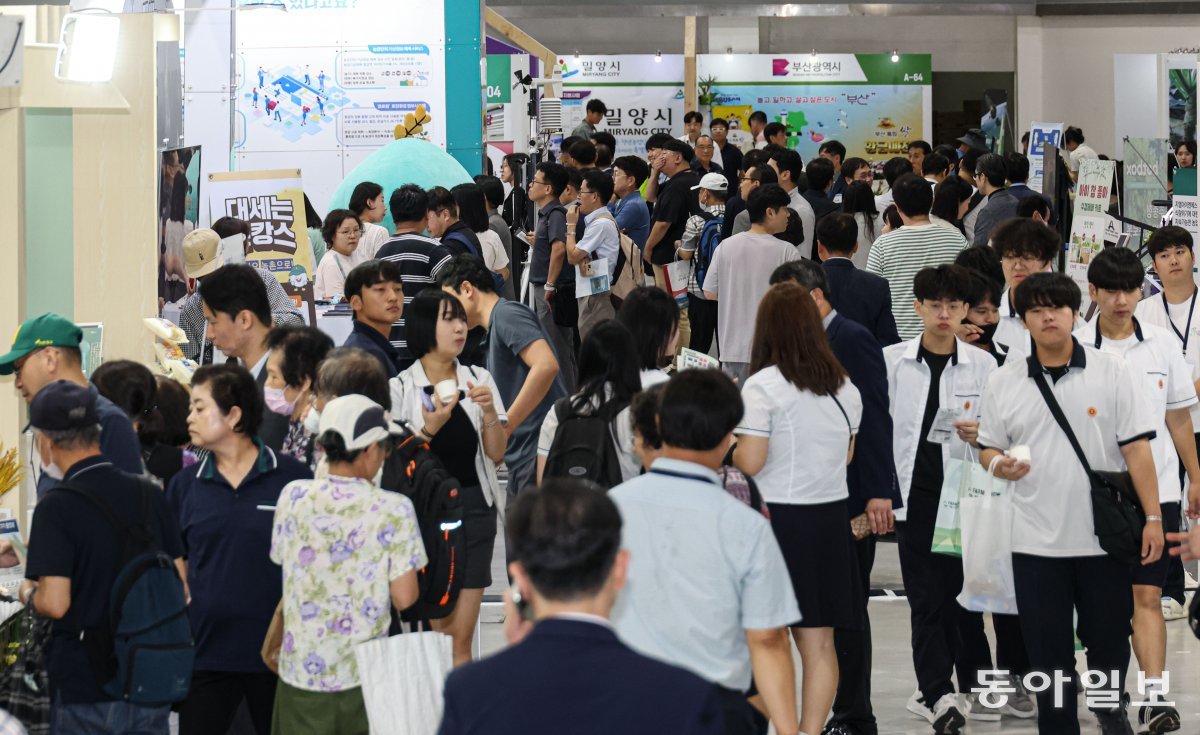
x,y
986,519
402,679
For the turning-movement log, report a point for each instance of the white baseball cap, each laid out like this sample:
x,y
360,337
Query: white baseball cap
x,y
360,421
713,182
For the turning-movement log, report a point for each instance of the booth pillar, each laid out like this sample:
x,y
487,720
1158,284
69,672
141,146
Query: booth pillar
x,y
464,112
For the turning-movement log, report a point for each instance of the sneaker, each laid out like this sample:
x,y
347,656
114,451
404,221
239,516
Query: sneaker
x,y
917,706
977,710
837,728
1019,703
948,718
1172,610
1159,719
1114,722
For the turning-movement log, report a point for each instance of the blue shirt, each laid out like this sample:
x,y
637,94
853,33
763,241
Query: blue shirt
x,y
703,569
227,543
118,442
633,217
366,338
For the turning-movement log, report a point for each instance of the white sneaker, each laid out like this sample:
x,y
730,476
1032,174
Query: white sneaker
x,y
917,707
977,710
948,718
1172,610
1189,582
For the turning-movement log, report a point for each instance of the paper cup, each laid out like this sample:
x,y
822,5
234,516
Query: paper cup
x,y
446,390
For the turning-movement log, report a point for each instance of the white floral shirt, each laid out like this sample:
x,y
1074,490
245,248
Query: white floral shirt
x,y
340,541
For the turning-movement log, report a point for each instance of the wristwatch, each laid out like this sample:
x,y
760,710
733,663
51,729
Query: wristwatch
x,y
1152,519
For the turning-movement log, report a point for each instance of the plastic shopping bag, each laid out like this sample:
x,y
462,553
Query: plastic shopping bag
x,y
676,275
947,536
986,515
402,680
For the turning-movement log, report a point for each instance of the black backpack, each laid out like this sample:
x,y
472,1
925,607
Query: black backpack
x,y
415,471
146,655
585,444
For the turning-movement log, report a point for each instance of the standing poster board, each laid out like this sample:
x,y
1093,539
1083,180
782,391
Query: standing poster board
x,y
91,347
325,85
872,105
643,94
1186,205
1041,135
1089,220
273,203
1145,168
178,214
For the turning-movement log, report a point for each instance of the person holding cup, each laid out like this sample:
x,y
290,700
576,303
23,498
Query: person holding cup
x,y
457,409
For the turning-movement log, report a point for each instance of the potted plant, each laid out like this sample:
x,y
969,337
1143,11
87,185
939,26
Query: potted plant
x,y
706,95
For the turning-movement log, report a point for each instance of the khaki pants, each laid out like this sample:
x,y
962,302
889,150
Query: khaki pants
x,y
685,326
593,310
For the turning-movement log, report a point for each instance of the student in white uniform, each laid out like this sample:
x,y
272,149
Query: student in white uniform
x,y
1024,247
1174,309
1059,566
796,438
1164,380
935,383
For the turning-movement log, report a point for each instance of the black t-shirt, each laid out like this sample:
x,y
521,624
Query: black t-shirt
x,y
457,444
71,538
676,202
927,470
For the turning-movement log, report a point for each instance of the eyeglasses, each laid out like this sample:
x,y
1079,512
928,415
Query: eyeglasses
x,y
585,191
348,233
535,181
1029,261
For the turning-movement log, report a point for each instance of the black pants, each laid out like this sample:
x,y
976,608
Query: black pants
x,y
1049,590
932,583
852,705
215,696
977,653
703,314
740,716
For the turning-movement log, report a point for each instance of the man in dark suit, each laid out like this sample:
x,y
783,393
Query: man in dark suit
x,y
1016,166
568,672
871,481
820,173
857,295
238,317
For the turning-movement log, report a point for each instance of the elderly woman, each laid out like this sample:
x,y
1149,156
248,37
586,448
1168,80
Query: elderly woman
x,y
348,552
464,429
291,374
225,507
341,231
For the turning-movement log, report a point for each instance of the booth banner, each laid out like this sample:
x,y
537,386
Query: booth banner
x,y
994,122
1145,165
178,213
1089,219
1186,204
273,203
643,94
1180,80
1041,135
872,105
330,81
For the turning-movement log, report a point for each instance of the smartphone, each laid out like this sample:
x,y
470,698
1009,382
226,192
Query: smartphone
x,y
522,605
427,402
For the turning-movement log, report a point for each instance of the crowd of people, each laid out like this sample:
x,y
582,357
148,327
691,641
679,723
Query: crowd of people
x,y
670,533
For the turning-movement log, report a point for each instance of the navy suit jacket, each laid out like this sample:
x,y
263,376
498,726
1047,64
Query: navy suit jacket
x,y
872,472
576,677
1022,191
862,297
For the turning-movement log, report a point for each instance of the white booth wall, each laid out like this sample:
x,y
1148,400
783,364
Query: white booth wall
x,y
1065,67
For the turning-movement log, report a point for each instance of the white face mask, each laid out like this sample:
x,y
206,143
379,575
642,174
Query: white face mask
x,y
49,468
312,421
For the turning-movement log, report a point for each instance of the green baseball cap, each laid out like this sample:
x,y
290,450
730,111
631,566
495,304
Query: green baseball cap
x,y
47,330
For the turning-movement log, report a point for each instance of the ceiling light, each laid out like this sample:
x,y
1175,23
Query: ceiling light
x,y
895,55
657,57
729,52
814,54
577,54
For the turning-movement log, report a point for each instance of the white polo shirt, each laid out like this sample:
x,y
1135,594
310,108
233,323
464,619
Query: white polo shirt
x,y
1053,503
1012,338
808,437
1164,380
1183,324
962,387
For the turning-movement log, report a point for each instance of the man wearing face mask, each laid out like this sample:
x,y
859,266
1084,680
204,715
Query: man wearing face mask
x,y
46,349
75,561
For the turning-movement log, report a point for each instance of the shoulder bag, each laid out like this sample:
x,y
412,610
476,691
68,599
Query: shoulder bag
x,y
1116,511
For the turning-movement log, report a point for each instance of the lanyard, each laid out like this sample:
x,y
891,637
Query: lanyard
x,y
1187,331
338,262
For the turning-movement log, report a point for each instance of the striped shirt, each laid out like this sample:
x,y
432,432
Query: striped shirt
x,y
898,255
420,259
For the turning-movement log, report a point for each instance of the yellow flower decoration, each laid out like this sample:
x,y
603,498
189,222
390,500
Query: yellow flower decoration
x,y
414,123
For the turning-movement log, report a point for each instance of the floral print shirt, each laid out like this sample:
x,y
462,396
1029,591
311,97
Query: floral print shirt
x,y
340,541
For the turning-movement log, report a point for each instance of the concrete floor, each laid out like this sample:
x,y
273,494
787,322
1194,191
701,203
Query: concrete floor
x,y
893,681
